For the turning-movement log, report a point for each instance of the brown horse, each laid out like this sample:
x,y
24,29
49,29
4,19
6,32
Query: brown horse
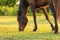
x,y
22,19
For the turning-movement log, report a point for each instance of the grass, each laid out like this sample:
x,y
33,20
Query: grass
x,y
9,29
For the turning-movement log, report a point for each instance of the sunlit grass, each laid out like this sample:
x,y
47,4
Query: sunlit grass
x,y
9,29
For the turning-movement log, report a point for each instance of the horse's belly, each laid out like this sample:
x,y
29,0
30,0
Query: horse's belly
x,y
38,3
41,2
31,2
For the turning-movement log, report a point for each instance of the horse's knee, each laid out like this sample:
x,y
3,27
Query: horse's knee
x,y
22,22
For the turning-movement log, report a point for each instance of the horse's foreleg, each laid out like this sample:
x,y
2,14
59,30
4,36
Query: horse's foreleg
x,y
47,18
54,15
21,15
34,16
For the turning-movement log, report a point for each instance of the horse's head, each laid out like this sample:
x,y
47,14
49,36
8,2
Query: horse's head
x,y
22,23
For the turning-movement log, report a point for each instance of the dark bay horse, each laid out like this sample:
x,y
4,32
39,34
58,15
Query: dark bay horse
x,y
22,19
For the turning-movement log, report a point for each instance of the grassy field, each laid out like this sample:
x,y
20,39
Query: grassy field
x,y
9,29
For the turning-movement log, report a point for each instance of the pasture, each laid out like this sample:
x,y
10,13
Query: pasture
x,y
9,29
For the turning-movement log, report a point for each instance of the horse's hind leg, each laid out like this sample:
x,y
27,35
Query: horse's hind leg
x,y
47,18
34,16
21,15
54,15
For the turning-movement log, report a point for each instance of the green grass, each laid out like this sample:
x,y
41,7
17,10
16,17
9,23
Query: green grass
x,y
9,29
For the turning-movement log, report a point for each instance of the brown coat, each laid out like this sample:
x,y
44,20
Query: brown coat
x,y
58,9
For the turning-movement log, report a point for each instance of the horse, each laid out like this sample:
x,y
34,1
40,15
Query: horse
x,y
22,10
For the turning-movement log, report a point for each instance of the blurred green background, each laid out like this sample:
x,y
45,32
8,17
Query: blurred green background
x,y
10,8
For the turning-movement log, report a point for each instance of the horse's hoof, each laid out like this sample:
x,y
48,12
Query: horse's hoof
x,y
55,31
